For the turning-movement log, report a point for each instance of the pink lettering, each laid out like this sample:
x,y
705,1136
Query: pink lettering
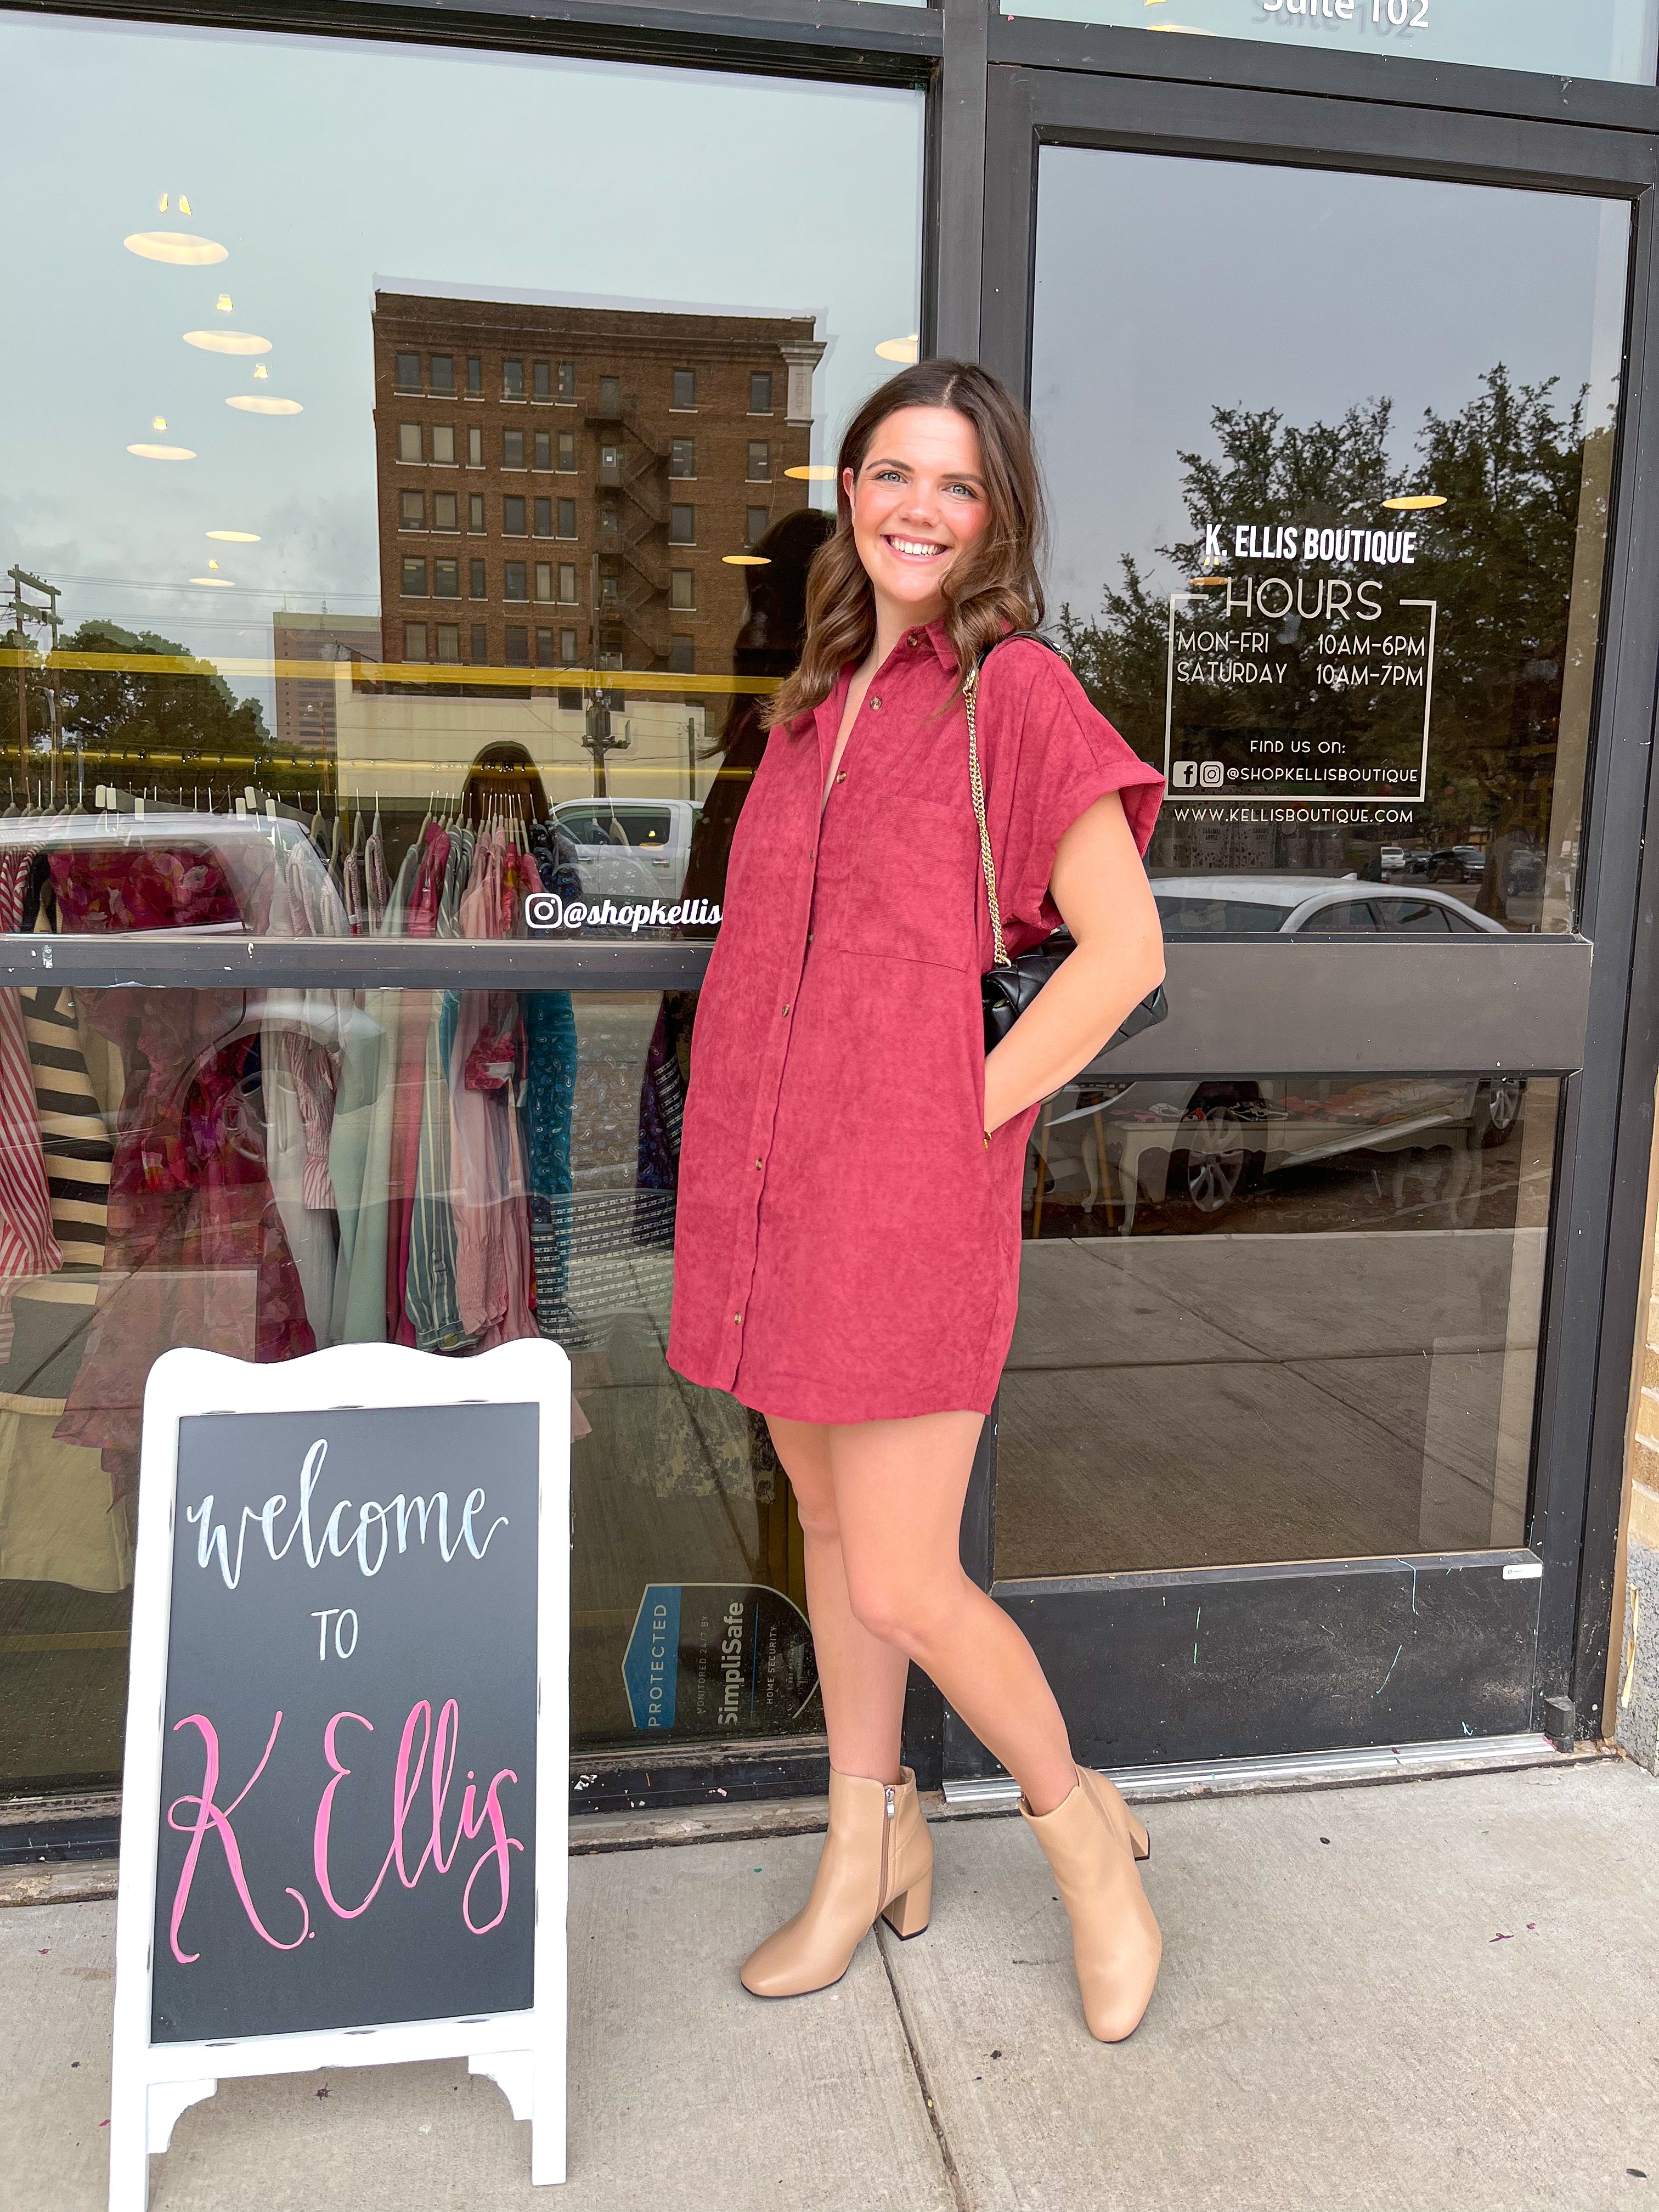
x,y
206,1812
497,1849
325,1815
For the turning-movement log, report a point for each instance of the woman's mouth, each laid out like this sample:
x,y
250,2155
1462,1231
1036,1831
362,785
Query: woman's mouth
x,y
913,549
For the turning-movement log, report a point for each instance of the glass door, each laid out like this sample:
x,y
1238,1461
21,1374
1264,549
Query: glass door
x,y
1332,454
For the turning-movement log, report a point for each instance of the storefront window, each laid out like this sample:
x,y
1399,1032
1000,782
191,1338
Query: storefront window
x,y
263,1174
363,488
342,607
1275,1320
1331,519
1609,39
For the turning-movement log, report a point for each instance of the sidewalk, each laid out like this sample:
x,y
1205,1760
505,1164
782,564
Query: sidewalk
x,y
1432,1994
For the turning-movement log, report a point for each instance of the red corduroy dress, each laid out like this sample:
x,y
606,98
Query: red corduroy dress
x,y
846,1247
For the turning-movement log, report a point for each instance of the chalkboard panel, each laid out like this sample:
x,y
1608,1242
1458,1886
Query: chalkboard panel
x,y
347,1811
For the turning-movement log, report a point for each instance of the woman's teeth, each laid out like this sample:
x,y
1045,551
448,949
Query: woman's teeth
x,y
915,547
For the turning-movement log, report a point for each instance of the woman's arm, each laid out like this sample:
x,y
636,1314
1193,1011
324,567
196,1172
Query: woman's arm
x,y
1106,901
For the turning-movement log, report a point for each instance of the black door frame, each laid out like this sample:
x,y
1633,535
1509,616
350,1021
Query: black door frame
x,y
1487,1636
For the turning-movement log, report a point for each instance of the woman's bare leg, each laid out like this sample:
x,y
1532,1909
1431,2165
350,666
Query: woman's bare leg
x,y
862,1677
898,1489
880,1505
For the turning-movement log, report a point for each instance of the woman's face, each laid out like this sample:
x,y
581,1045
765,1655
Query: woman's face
x,y
918,504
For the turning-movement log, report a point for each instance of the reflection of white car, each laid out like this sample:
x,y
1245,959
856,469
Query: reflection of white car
x,y
1287,906
630,848
1193,1144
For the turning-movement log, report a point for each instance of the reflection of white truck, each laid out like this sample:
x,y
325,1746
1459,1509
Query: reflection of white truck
x,y
630,848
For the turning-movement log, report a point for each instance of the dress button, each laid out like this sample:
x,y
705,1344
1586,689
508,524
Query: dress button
x,y
841,776
912,640
875,705
785,1013
758,1167
737,1321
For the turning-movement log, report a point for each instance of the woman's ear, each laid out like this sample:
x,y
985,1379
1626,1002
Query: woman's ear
x,y
848,480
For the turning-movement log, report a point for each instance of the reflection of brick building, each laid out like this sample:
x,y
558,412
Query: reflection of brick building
x,y
306,704
561,486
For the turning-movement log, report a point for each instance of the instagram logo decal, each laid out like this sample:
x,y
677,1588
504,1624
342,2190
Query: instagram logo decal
x,y
547,910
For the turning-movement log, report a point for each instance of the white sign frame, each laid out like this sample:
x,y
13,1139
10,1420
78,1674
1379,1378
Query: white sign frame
x,y
523,2052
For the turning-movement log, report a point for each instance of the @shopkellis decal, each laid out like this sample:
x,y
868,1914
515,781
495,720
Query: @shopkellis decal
x,y
547,910
706,1656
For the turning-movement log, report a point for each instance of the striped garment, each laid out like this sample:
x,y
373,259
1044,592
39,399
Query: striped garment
x,y
78,1149
27,1246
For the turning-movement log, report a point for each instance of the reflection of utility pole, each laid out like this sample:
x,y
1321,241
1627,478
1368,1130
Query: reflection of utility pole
x,y
600,737
47,618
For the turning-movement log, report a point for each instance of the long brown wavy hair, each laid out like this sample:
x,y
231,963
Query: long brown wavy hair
x,y
993,585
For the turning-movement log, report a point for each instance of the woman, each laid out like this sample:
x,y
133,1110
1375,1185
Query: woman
x,y
848,1238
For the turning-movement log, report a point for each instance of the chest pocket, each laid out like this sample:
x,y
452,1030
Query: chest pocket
x,y
897,879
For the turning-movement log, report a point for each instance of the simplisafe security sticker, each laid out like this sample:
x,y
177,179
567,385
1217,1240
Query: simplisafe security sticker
x,y
705,1656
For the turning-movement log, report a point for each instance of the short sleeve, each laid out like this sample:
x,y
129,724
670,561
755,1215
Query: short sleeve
x,y
1049,754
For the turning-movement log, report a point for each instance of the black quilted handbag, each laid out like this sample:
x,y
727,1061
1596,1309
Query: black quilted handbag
x,y
1010,986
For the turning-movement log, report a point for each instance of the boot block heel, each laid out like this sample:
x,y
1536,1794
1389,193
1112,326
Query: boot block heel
x,y
908,1915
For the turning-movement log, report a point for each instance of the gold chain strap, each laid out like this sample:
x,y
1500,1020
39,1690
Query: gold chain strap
x,y
969,688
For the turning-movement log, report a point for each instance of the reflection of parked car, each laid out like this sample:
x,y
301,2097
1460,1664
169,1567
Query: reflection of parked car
x,y
1448,864
628,848
1196,1144
175,868
1287,906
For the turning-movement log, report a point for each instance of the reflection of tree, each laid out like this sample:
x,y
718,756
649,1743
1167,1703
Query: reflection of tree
x,y
1498,557
166,728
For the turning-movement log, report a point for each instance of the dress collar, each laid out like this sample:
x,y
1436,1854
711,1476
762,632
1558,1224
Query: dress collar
x,y
940,639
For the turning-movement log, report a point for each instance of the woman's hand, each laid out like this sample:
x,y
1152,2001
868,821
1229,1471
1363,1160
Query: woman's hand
x,y
1106,901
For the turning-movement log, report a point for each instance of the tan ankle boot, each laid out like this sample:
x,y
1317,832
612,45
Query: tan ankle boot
x,y
1091,1842
878,1861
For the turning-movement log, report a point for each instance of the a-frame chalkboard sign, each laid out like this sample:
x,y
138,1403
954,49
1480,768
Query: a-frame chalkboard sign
x,y
344,1814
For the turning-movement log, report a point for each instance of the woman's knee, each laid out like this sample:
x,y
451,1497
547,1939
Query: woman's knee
x,y
909,1611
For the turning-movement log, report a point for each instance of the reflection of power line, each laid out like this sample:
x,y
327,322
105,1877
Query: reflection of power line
x,y
248,591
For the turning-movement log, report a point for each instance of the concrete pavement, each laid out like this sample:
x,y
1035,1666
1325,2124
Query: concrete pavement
x,y
1439,1994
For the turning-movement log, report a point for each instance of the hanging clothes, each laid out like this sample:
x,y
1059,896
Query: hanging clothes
x,y
28,1245
408,1112
195,1251
494,1271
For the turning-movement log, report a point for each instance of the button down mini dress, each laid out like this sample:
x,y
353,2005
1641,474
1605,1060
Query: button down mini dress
x,y
846,1246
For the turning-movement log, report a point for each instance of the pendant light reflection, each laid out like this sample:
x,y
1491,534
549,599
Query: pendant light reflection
x,y
235,537
177,247
214,583
234,342
223,303
818,472
903,349
256,402
1414,502
163,453
746,560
